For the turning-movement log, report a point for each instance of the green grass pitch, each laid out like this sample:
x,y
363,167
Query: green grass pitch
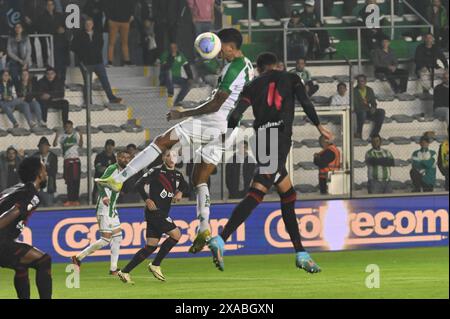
x,y
404,273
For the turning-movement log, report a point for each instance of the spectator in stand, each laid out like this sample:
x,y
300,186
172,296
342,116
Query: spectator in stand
x,y
427,67
71,141
95,9
9,103
239,172
4,26
281,66
300,42
342,97
328,160
119,14
166,14
172,63
51,95
3,48
128,194
48,23
379,162
28,91
371,36
349,5
386,65
202,15
443,161
101,163
437,15
423,172
305,75
366,107
50,160
440,99
19,53
32,11
87,46
149,46
321,37
62,52
9,165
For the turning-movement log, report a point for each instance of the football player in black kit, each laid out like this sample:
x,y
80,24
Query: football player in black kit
x,y
16,206
272,95
166,186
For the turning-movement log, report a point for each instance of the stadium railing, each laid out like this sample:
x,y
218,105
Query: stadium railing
x,y
38,64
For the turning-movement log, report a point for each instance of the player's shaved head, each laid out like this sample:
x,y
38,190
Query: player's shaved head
x,y
266,61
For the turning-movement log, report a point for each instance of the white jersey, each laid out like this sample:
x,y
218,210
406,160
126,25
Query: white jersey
x,y
233,78
207,129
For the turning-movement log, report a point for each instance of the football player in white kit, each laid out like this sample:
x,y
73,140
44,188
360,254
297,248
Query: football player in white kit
x,y
205,126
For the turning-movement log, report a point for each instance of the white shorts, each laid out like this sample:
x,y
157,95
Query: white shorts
x,y
108,224
205,134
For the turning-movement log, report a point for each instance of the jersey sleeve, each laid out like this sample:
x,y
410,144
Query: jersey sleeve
x,y
146,179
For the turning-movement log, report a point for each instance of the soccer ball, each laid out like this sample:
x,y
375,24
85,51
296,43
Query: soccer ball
x,y
208,45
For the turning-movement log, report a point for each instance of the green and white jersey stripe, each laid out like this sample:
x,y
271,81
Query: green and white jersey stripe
x,y
102,209
233,78
378,172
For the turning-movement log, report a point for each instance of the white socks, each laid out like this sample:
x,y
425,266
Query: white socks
x,y
99,244
115,250
203,205
141,161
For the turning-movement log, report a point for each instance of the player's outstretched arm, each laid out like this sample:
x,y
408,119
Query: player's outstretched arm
x,y
9,217
211,106
310,110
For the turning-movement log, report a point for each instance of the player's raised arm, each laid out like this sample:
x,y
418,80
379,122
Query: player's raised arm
x,y
211,106
310,110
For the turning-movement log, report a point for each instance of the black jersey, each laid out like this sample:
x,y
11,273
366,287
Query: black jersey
x,y
272,96
164,184
24,197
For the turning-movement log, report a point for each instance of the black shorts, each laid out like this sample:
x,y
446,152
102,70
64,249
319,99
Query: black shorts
x,y
277,173
11,253
158,224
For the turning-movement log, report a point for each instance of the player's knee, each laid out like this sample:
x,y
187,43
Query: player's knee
x,y
256,194
176,235
43,263
105,241
288,197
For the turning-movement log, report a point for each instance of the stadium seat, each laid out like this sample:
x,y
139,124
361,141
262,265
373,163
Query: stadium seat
x,y
83,129
311,143
19,132
115,107
405,97
110,129
359,164
385,98
320,100
400,140
323,79
402,118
